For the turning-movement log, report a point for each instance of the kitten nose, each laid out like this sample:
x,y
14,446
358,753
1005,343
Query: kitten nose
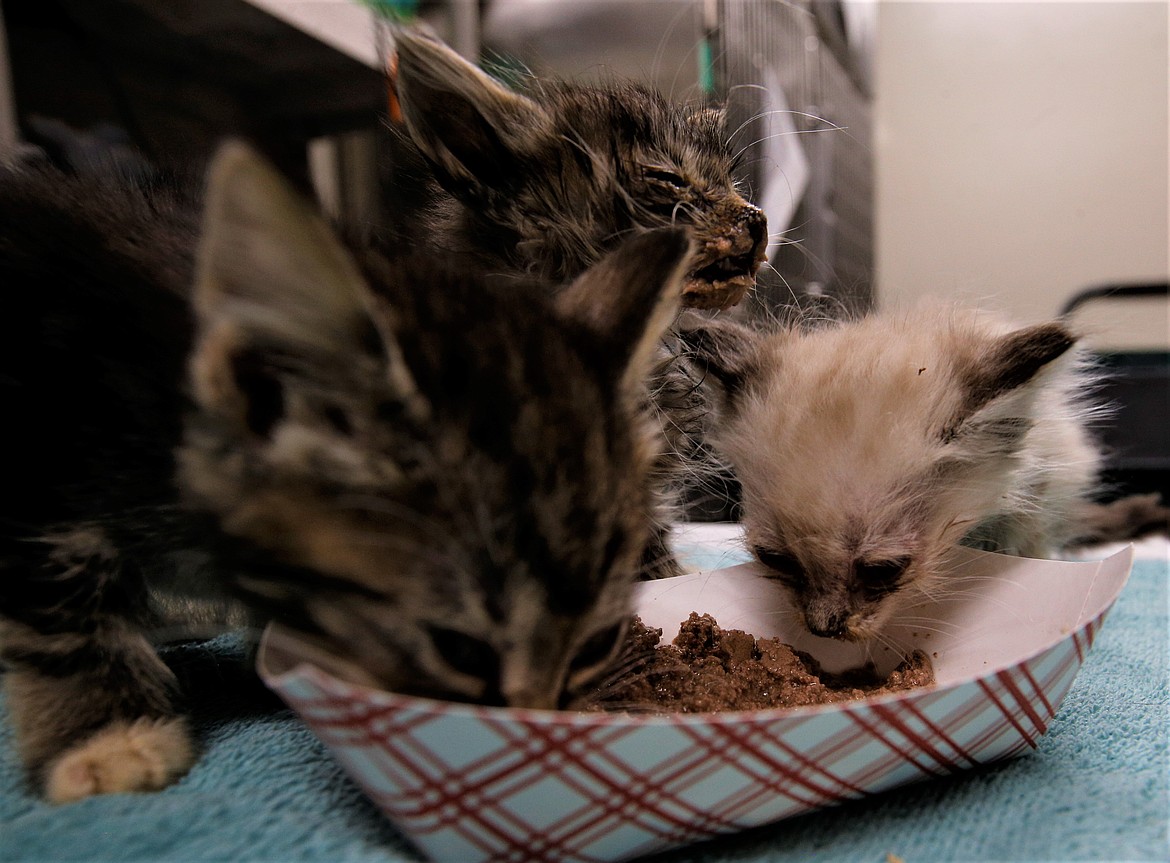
x,y
756,223
827,625
530,683
531,699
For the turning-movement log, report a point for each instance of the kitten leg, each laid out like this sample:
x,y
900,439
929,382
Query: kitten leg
x,y
94,713
144,755
92,703
1121,520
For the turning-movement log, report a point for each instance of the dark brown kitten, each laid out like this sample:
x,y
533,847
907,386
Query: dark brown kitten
x,y
441,478
548,180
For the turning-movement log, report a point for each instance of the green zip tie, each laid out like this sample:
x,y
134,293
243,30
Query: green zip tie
x,y
706,67
393,10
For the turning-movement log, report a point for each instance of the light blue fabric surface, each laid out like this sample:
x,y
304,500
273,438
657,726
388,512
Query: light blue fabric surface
x,y
265,790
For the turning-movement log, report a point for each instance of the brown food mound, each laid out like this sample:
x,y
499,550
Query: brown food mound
x,y
708,669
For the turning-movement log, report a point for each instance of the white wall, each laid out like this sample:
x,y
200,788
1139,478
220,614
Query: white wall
x,y
1021,155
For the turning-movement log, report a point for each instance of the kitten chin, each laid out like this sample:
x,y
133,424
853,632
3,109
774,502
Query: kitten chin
x,y
441,476
866,448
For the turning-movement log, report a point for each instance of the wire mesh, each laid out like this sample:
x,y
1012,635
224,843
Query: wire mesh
x,y
783,68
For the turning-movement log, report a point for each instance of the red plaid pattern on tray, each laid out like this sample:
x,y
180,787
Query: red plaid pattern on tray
x,y
479,784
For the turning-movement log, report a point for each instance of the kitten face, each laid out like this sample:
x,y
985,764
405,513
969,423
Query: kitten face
x,y
865,450
551,180
442,480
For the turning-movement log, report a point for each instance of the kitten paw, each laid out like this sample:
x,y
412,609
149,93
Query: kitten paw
x,y
145,755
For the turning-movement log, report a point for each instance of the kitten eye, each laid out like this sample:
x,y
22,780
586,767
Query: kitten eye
x,y
598,647
788,568
669,178
880,575
338,420
257,381
466,654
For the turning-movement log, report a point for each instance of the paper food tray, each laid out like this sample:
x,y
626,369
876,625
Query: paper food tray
x,y
471,783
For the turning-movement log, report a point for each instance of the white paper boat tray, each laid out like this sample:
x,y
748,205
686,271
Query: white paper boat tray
x,y
471,783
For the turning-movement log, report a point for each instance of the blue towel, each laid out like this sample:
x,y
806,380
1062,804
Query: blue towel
x,y
266,790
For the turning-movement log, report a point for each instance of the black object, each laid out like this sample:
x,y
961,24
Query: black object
x,y
1136,384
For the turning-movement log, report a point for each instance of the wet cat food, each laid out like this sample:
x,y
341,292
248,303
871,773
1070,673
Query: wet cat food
x,y
707,668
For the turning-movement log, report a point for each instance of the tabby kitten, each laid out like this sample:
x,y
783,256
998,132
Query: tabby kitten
x,y
546,181
865,450
440,478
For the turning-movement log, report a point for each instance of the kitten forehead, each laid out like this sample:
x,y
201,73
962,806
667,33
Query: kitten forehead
x,y
852,416
873,432
852,389
642,120
880,374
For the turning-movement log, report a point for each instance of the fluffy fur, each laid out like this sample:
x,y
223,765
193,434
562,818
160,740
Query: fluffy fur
x,y
439,477
866,449
546,181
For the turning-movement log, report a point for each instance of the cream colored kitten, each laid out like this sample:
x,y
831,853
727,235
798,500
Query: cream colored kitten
x,y
866,449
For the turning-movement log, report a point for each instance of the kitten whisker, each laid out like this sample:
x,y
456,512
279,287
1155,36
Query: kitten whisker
x,y
660,50
891,645
761,115
929,624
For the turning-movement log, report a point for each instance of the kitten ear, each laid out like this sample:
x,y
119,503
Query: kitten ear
x,y
276,294
996,412
471,127
724,348
629,298
1015,359
269,262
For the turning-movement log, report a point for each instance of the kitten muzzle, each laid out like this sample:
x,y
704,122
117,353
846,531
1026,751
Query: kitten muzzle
x,y
727,266
833,627
830,616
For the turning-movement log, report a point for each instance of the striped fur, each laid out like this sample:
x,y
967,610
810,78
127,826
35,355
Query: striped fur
x,y
442,478
547,180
